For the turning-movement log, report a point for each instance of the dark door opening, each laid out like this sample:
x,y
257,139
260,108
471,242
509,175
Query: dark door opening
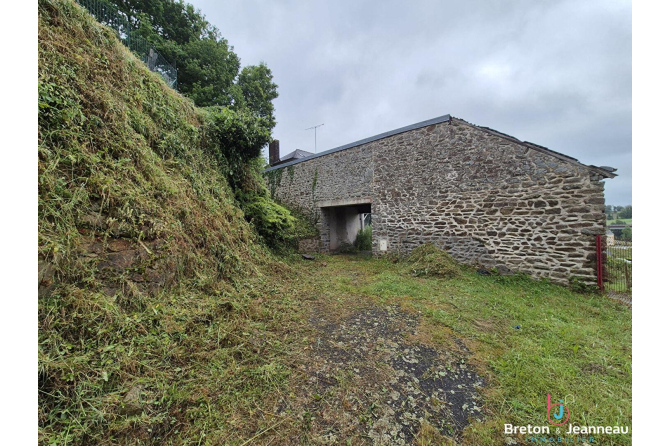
x,y
344,222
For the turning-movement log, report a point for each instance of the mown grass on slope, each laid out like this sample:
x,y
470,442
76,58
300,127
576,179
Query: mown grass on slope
x,y
575,347
122,157
116,142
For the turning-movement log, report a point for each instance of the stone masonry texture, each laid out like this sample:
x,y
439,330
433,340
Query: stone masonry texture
x,y
486,198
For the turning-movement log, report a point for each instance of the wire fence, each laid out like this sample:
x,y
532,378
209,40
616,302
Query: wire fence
x,y
619,267
108,14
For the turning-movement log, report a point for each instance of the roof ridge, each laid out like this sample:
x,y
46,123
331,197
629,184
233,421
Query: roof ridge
x,y
407,128
609,172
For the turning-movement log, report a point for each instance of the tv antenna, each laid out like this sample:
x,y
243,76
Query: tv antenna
x,y
315,127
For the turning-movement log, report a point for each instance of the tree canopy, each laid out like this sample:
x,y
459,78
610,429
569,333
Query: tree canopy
x,y
626,212
209,71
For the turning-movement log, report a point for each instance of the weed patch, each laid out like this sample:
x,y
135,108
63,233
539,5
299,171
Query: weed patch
x,y
429,260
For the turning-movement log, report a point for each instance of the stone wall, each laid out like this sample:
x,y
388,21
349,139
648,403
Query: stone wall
x,y
345,175
487,198
309,245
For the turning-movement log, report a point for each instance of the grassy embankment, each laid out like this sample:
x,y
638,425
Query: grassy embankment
x,y
158,312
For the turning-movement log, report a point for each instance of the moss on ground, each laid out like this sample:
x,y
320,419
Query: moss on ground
x,y
570,345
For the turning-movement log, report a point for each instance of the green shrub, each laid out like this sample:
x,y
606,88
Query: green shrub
x,y
363,240
281,227
429,260
303,228
272,221
238,134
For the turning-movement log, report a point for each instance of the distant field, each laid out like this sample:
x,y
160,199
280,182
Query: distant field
x,y
628,221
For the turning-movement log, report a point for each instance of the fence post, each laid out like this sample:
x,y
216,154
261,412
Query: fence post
x,y
599,261
627,274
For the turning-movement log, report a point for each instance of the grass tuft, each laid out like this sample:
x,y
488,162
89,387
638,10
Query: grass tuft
x,y
429,260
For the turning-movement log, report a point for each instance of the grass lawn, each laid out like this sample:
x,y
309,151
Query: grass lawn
x,y
575,347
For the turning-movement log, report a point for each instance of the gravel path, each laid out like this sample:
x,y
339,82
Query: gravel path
x,y
368,381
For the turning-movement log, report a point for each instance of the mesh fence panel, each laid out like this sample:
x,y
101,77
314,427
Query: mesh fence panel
x,y
108,14
619,267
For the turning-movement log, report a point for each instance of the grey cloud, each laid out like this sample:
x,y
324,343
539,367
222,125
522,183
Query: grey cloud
x,y
557,73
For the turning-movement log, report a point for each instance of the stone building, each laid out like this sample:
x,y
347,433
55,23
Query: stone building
x,y
486,197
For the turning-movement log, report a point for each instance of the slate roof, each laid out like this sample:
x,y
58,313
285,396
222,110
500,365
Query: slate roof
x,y
292,158
296,154
418,125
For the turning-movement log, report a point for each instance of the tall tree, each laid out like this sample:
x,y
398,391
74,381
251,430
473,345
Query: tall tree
x,y
208,70
174,21
256,92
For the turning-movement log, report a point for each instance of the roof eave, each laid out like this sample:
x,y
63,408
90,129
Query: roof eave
x,y
595,169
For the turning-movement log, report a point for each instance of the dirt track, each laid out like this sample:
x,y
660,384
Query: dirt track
x,y
370,383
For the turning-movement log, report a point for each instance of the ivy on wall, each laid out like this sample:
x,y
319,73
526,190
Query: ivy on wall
x,y
291,172
314,181
274,180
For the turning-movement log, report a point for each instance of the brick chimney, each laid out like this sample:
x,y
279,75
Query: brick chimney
x,y
274,152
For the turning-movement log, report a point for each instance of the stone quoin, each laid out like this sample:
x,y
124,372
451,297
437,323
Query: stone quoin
x,y
487,198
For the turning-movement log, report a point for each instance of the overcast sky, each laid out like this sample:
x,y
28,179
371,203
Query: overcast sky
x,y
556,73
